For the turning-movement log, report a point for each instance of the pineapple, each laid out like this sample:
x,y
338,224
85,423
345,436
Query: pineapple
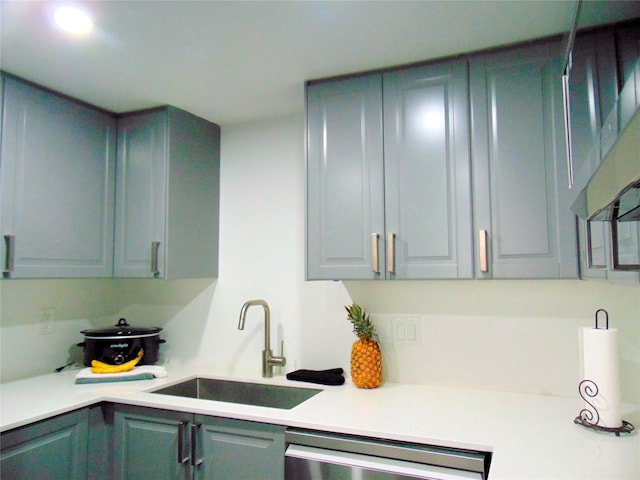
x,y
366,359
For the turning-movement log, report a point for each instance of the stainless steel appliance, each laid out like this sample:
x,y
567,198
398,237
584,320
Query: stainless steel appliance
x,y
312,455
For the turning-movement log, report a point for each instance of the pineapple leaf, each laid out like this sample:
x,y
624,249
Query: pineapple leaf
x,y
361,320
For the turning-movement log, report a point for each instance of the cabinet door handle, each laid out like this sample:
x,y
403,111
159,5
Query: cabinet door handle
x,y
567,127
391,265
183,453
482,249
196,461
374,253
9,258
154,258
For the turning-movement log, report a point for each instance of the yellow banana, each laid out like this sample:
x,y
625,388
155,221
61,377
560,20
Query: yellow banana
x,y
101,367
98,363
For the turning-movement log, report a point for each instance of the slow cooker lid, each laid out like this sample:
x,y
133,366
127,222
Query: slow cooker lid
x,y
121,329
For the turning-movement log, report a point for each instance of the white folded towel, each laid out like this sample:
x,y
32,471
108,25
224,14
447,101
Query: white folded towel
x,y
143,372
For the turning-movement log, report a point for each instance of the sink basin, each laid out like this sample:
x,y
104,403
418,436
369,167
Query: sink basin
x,y
259,394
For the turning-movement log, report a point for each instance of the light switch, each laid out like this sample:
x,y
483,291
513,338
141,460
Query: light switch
x,y
411,332
406,331
401,332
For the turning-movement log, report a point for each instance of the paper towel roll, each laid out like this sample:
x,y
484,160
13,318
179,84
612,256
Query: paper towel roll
x,y
600,365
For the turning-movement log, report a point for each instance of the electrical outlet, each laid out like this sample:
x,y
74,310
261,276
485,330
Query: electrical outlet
x,y
407,331
47,317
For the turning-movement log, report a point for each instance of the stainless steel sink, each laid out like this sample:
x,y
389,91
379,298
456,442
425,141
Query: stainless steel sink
x,y
259,394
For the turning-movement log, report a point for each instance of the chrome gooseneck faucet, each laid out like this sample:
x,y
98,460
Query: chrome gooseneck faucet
x,y
268,361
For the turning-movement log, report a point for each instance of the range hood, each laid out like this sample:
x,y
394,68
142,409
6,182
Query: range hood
x,y
613,193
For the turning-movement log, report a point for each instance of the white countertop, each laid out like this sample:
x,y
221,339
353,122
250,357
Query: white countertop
x,y
531,436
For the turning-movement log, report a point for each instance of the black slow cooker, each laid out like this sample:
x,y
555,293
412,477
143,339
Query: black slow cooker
x,y
121,343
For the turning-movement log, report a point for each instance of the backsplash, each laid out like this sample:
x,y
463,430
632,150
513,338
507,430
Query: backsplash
x,y
506,335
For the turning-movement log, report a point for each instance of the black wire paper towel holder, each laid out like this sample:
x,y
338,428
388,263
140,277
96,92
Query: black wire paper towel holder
x,y
589,389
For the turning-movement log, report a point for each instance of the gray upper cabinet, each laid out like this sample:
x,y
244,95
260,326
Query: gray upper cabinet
x,y
603,99
628,54
628,43
522,217
167,195
427,172
345,186
592,95
70,208
389,193
57,175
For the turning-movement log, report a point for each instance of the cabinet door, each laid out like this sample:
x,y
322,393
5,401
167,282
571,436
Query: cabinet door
x,y
52,449
168,195
592,80
57,184
151,444
233,449
193,197
519,164
345,191
140,195
628,43
427,172
99,447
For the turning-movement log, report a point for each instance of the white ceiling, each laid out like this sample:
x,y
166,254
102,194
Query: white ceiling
x,y
236,61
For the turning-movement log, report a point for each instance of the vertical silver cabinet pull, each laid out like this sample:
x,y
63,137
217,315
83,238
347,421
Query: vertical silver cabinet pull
x,y
567,127
196,460
375,267
391,265
183,453
9,258
482,249
154,258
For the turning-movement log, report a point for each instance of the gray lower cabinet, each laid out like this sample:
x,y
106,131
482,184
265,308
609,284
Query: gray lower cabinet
x,y
167,195
53,449
160,444
57,175
523,220
388,175
233,449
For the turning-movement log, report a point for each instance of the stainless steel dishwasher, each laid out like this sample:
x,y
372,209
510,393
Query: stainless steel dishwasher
x,y
312,455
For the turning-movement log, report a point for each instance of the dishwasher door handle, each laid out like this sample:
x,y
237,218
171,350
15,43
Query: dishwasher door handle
x,y
396,468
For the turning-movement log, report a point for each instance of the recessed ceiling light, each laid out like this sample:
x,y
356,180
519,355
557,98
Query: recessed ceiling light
x,y
72,20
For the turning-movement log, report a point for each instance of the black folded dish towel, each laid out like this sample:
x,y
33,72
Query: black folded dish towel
x,y
333,376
